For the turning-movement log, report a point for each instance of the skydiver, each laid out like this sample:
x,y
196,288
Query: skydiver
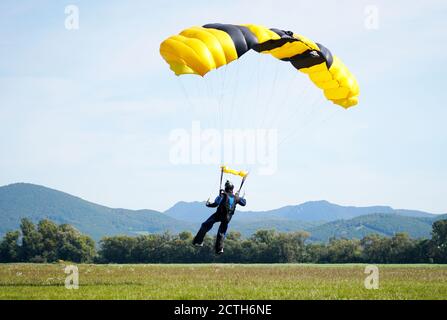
x,y
226,204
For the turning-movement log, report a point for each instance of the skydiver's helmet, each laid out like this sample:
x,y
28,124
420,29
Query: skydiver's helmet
x,y
229,186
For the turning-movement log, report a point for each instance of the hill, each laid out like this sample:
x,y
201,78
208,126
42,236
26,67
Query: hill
x,y
321,218
312,211
37,202
380,223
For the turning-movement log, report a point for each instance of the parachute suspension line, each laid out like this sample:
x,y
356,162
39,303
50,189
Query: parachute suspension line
x,y
248,104
210,103
302,126
208,98
212,81
250,99
233,95
301,118
253,106
312,109
274,120
269,100
251,110
279,115
218,94
295,111
221,101
222,98
198,86
319,124
213,95
185,93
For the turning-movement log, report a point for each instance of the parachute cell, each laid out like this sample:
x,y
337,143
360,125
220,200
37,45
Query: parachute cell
x,y
198,50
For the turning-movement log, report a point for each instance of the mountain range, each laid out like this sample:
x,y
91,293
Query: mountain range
x,y
321,219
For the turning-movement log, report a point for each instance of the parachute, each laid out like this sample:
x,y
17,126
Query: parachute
x,y
198,50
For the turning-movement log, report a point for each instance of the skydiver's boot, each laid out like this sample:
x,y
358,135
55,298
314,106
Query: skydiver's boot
x,y
197,241
220,237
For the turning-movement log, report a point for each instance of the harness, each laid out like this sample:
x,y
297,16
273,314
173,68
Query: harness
x,y
228,204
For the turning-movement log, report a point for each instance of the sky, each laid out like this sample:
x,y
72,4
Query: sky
x,y
92,110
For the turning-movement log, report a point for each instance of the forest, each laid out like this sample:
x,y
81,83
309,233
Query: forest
x,y
47,242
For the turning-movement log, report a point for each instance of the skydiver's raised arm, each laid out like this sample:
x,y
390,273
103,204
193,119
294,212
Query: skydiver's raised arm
x,y
215,203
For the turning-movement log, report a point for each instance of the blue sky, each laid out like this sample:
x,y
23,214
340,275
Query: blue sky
x,y
90,111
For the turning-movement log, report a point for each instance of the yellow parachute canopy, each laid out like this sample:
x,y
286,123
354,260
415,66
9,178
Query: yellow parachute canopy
x,y
198,50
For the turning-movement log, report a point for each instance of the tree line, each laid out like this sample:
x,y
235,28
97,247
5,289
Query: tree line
x,y
49,242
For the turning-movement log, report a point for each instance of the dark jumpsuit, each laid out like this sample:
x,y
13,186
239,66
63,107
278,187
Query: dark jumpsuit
x,y
226,204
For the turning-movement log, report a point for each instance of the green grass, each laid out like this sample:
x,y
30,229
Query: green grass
x,y
222,281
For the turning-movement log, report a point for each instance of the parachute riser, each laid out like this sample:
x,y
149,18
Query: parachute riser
x,y
221,177
242,183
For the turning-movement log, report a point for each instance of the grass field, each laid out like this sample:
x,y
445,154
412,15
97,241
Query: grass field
x,y
230,281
